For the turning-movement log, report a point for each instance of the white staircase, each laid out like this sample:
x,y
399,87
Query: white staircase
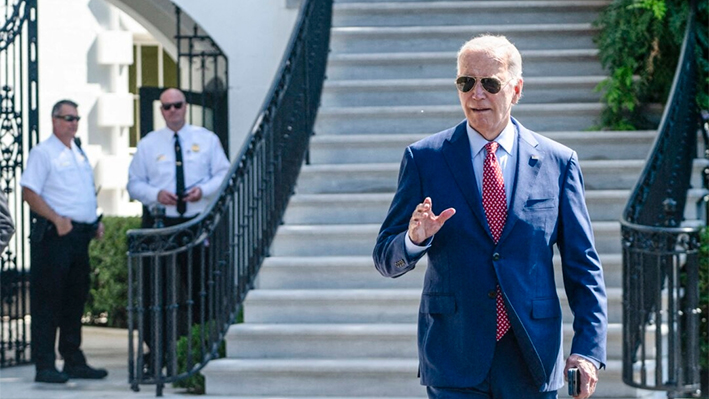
x,y
322,322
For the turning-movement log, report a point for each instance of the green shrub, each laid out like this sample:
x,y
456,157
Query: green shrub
x,y
195,383
108,295
639,43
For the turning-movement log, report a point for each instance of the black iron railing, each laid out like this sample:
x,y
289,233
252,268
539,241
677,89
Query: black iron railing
x,y
660,249
232,237
19,121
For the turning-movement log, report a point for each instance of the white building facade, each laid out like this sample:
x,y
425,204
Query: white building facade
x,y
99,52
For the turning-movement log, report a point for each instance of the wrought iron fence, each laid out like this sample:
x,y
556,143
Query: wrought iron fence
x,y
18,132
232,237
660,249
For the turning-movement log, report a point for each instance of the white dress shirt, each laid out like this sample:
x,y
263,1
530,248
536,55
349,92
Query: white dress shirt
x,y
153,167
63,178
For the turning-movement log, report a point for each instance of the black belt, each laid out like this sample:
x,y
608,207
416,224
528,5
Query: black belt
x,y
82,227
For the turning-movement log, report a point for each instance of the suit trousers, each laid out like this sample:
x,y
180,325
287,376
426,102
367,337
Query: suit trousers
x,y
59,288
508,378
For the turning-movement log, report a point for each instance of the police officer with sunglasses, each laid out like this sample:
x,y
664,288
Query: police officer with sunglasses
x,y
487,201
177,170
58,185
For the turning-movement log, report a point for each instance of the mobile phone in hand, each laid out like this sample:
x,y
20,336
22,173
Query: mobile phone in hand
x,y
574,381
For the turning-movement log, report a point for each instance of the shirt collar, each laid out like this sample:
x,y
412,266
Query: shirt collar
x,y
56,143
506,139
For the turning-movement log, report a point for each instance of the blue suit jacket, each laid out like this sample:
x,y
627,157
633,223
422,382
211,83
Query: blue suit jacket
x,y
457,317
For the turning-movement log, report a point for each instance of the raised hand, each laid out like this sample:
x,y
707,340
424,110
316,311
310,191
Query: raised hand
x,y
424,223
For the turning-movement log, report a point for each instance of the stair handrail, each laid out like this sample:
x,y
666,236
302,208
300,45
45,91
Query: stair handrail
x,y
661,249
233,235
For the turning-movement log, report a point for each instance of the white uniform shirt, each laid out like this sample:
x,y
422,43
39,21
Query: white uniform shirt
x,y
153,167
63,177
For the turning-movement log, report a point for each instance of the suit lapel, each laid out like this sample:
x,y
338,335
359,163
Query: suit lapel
x,y
529,162
456,152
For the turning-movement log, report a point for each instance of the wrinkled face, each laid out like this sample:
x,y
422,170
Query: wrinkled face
x,y
487,113
174,117
62,128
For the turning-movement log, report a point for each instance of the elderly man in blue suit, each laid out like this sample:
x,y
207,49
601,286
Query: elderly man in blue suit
x,y
487,200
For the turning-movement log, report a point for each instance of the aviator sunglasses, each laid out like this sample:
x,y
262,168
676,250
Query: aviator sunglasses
x,y
177,105
490,85
68,118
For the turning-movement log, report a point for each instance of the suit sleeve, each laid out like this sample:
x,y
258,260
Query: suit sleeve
x,y
581,268
390,256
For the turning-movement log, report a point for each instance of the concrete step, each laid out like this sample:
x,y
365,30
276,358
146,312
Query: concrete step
x,y
433,118
347,341
359,239
382,147
418,92
362,306
462,13
603,205
582,61
382,177
357,272
355,39
359,378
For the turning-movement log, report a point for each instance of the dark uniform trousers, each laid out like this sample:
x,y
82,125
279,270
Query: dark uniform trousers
x,y
59,288
198,306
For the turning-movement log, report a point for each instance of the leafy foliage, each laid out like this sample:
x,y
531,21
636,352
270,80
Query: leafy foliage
x,y
195,383
109,278
639,42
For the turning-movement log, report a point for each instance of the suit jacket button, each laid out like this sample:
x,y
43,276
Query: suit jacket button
x,y
496,256
492,294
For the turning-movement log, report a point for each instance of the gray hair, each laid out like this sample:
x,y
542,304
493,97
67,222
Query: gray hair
x,y
498,47
58,106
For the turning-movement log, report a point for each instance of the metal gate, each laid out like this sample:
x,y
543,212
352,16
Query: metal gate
x,y
19,121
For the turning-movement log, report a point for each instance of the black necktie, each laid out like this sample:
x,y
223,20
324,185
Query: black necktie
x,y
179,177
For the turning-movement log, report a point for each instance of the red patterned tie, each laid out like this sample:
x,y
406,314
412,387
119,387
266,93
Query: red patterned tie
x,y
495,205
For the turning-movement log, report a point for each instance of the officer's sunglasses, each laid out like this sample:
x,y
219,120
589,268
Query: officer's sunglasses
x,y
68,118
490,85
177,105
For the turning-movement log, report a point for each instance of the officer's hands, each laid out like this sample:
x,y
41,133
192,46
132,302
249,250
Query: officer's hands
x,y
63,225
194,195
167,198
424,223
587,372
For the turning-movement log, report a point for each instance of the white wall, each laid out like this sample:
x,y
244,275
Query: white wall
x,y
253,34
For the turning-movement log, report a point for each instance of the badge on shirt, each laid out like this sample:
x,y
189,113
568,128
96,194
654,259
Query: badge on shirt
x,y
160,158
195,147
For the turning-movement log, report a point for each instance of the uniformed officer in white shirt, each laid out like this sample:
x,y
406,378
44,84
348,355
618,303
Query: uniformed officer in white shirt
x,y
152,174
59,187
153,179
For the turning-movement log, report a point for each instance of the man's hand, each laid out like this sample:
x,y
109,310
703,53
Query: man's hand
x,y
167,198
63,225
587,372
194,195
100,231
424,224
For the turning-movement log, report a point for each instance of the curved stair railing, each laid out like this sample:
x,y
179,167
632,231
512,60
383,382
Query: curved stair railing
x,y
232,237
661,249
